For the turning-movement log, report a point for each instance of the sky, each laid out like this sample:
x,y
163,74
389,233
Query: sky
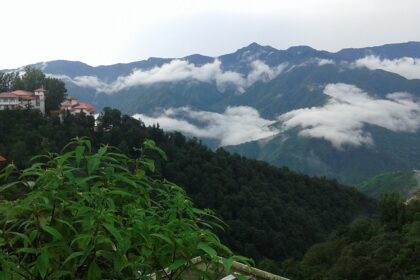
x,y
101,32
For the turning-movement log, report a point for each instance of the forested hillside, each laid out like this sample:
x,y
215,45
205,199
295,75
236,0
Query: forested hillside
x,y
405,183
385,248
272,213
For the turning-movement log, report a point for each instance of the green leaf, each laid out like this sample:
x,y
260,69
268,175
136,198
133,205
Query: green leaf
x,y
126,180
122,193
207,249
52,231
42,262
113,231
93,164
151,145
227,264
177,264
73,256
27,250
23,236
79,153
150,164
8,186
94,273
163,237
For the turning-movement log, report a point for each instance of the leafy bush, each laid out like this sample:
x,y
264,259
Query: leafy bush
x,y
101,215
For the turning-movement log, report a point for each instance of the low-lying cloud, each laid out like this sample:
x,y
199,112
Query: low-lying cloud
x,y
349,109
180,70
234,126
407,67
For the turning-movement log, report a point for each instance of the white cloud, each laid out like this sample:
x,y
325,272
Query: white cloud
x,y
236,125
178,70
323,61
407,67
349,109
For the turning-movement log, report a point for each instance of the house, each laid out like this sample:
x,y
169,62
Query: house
x,y
3,161
22,99
72,106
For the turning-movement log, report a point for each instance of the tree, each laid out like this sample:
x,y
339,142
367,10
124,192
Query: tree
x,y
31,79
34,78
7,81
56,93
391,211
94,215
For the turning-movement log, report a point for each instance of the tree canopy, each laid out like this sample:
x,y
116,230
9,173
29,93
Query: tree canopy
x,y
272,213
384,248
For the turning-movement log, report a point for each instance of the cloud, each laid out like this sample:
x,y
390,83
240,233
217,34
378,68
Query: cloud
x,y
407,67
349,109
323,61
179,70
234,126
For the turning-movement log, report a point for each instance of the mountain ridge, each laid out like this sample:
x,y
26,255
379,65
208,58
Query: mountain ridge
x,y
415,52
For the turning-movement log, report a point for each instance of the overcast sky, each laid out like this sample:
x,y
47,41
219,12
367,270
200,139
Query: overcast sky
x,y
105,32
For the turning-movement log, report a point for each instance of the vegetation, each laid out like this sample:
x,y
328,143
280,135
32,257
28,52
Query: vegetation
x,y
272,213
31,80
98,214
406,183
387,248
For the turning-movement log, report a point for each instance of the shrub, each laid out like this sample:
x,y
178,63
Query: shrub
x,y
101,215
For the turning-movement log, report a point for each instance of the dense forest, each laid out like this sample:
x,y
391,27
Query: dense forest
x,y
386,248
272,213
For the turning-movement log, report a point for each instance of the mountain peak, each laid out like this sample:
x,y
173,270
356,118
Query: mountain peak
x,y
255,47
300,49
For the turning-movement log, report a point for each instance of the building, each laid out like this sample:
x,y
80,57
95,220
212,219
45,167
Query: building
x,y
22,99
3,161
72,106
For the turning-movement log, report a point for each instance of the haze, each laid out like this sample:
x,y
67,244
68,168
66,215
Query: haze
x,y
107,32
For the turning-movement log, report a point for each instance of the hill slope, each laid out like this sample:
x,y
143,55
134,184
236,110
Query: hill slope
x,y
405,183
349,133
273,213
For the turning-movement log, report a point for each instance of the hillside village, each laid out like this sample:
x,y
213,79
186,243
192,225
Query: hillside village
x,y
22,99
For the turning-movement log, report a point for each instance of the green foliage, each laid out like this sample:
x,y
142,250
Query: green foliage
x,y
98,214
272,213
392,211
406,183
387,248
7,81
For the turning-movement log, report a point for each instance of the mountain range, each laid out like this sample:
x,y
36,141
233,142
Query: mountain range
x,y
350,115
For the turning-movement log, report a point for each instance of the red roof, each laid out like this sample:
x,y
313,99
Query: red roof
x,y
8,95
85,106
40,90
23,93
2,159
56,112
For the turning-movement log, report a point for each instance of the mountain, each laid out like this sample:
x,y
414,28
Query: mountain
x,y
109,85
350,115
405,183
351,165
